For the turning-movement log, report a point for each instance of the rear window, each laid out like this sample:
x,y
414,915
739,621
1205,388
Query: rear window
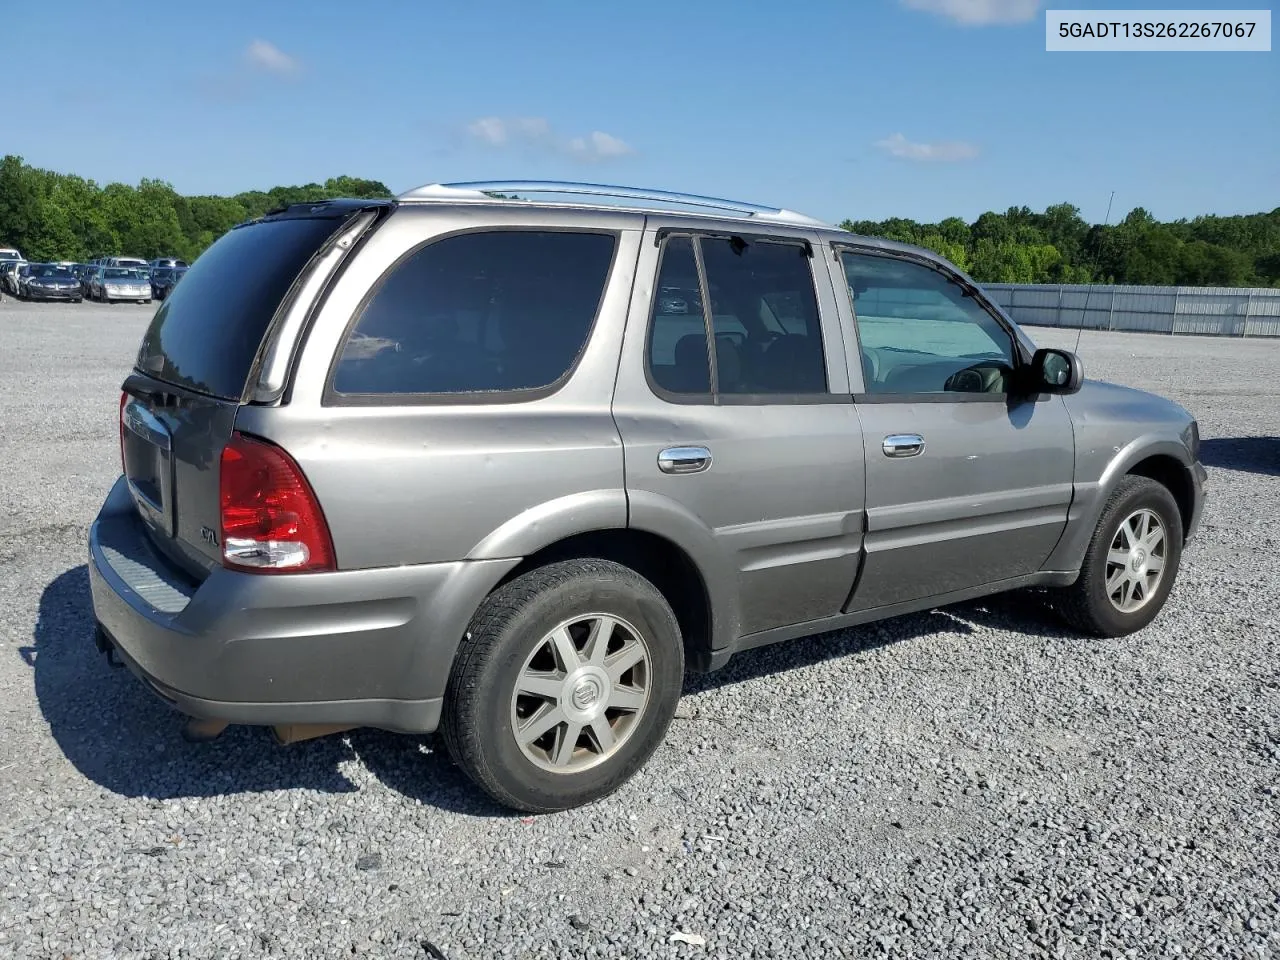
x,y
207,332
484,312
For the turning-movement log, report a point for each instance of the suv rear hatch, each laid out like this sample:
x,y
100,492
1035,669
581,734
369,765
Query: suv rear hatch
x,y
201,356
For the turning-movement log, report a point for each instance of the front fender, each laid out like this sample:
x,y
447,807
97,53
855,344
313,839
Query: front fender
x,y
1090,495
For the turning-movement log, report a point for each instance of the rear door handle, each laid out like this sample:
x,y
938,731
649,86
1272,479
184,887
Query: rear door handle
x,y
903,445
684,459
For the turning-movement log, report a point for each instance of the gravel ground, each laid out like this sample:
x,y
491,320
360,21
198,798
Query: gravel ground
x,y
968,782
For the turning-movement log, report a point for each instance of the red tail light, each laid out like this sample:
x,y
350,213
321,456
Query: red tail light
x,y
124,399
271,520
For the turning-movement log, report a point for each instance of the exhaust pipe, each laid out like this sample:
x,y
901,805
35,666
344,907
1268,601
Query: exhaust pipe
x,y
297,732
198,730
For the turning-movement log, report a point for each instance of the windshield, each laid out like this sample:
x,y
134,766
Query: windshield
x,y
47,270
121,273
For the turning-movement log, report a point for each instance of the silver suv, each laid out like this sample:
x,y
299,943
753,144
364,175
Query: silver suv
x,y
509,468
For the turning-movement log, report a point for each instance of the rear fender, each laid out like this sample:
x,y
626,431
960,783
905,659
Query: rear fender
x,y
547,523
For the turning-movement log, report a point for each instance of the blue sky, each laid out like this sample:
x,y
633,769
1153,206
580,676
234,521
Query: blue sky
x,y
838,108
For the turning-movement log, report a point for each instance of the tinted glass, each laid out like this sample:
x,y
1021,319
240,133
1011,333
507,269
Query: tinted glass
x,y
919,332
677,332
206,333
477,312
768,334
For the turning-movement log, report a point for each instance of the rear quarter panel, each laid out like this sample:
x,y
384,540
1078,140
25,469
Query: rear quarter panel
x,y
430,482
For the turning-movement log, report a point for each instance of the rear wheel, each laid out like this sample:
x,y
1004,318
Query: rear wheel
x,y
1131,563
564,686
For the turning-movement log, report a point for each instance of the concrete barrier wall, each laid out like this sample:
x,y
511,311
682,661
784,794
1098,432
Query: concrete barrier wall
x,y
1212,311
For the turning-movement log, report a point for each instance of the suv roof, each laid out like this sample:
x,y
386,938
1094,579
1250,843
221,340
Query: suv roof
x,y
589,197
644,199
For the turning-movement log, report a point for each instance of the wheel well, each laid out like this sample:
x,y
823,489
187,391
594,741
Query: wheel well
x,y
1172,475
656,559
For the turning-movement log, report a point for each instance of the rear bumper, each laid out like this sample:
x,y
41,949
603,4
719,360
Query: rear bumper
x,y
359,648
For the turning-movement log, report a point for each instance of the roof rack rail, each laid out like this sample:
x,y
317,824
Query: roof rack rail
x,y
485,190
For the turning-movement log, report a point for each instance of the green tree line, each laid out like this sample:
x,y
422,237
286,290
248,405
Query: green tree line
x,y
1058,246
59,216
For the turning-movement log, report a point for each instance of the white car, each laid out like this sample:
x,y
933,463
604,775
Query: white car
x,y
109,284
10,271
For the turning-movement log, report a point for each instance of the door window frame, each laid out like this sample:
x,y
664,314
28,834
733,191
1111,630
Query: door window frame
x,y
713,397
1021,358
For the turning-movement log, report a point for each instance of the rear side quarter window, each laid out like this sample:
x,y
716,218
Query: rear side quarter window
x,y
498,314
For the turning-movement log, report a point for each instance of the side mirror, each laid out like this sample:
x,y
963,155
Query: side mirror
x,y
1055,371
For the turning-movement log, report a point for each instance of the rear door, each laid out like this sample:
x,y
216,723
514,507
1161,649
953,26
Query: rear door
x,y
966,484
197,357
743,438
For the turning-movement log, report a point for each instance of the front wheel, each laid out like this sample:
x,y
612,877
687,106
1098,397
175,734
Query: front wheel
x,y
564,685
1131,562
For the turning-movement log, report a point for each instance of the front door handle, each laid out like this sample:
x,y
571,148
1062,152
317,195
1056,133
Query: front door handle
x,y
684,459
903,445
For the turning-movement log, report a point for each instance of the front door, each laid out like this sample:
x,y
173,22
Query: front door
x,y
966,484
743,441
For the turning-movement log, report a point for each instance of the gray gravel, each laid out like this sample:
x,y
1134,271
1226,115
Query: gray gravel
x,y
969,782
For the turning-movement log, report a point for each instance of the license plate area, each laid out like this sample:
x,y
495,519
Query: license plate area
x,y
147,446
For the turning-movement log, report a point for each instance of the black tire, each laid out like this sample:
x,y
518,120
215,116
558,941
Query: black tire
x,y
509,627
1085,604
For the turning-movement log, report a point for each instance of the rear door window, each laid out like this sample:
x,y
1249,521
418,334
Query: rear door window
x,y
764,313
207,332
476,313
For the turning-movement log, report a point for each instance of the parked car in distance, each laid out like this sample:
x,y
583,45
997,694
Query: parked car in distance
x,y
10,253
164,279
50,281
474,476
167,262
20,273
83,272
109,284
9,276
134,263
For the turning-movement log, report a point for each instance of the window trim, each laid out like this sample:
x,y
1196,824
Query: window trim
x,y
661,234
1020,358
715,398
330,397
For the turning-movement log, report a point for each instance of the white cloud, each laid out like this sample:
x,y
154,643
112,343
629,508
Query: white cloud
x,y
269,57
980,11
537,132
491,130
599,146
946,151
